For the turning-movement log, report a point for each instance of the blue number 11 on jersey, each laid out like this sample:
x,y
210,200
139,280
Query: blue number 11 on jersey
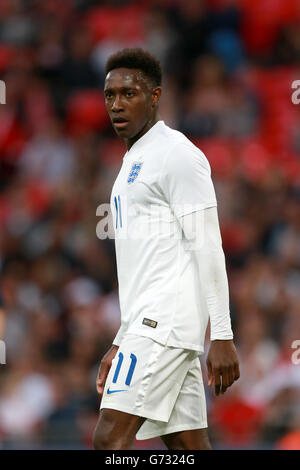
x,y
118,211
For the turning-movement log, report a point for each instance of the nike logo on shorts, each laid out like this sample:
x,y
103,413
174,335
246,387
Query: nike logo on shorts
x,y
114,391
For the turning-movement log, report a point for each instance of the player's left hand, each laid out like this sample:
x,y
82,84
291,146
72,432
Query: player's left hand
x,y
222,365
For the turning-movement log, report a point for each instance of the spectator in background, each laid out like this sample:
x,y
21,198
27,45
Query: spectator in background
x,y
49,157
77,70
215,105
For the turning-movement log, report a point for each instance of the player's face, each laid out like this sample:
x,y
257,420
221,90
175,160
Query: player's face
x,y
130,101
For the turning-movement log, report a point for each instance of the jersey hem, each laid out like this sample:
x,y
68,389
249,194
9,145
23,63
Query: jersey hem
x,y
170,344
189,346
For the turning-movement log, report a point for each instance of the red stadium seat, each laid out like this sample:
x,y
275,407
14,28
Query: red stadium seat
x,y
38,197
237,420
106,22
263,19
86,111
7,55
219,154
112,151
291,441
254,160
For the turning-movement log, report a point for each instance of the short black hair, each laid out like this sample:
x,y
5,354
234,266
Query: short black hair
x,y
136,58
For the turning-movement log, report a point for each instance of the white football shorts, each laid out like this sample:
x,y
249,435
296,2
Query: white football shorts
x,y
161,383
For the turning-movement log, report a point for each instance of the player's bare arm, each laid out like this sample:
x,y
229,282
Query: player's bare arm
x,y
2,316
222,365
104,368
2,320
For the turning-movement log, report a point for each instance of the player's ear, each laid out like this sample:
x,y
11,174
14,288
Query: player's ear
x,y
156,94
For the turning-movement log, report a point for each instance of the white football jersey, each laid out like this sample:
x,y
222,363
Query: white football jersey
x,y
163,177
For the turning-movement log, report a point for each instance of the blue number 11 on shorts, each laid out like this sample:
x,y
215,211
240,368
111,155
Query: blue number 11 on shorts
x,y
130,371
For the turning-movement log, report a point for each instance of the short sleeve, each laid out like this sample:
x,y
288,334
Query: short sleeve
x,y
186,180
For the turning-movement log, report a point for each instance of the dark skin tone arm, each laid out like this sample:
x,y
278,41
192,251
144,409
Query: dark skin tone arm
x,y
222,365
104,368
2,322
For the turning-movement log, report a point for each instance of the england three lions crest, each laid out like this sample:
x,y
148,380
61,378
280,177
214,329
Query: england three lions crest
x,y
134,172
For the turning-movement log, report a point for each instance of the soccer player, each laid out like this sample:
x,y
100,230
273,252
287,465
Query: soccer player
x,y
171,273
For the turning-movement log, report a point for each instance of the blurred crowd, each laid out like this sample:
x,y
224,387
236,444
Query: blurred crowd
x,y
228,71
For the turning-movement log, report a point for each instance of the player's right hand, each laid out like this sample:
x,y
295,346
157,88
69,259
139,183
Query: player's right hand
x,y
104,368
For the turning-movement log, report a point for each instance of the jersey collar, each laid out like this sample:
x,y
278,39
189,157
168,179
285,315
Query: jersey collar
x,y
142,141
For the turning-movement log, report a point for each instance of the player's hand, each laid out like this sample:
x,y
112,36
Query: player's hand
x,y
222,365
104,368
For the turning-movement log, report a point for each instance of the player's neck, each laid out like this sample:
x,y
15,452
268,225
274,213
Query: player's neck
x,y
146,128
